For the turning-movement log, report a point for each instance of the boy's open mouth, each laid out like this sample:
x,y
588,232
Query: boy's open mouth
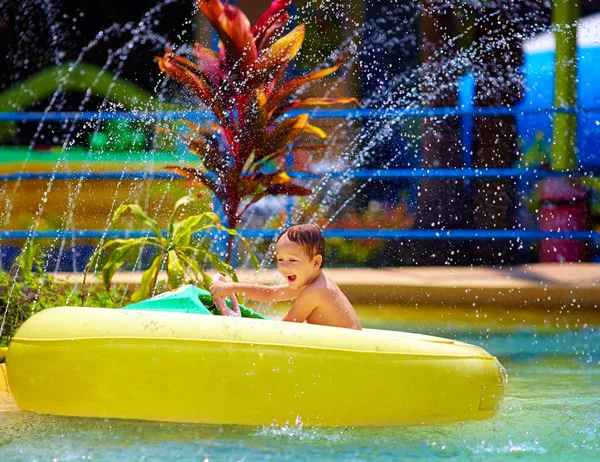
x,y
291,278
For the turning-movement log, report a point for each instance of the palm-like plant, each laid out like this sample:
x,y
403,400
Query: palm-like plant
x,y
245,86
175,250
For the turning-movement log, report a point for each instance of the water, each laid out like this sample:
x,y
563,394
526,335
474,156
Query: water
x,y
552,409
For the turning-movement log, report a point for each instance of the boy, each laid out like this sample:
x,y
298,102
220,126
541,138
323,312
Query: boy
x,y
300,251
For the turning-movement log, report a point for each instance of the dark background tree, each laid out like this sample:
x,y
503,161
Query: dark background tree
x,y
440,202
37,34
498,83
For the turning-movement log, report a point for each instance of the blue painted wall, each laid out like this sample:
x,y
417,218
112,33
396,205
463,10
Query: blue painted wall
x,y
539,83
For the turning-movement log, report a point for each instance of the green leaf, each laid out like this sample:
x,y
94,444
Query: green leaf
x,y
117,258
175,272
215,260
26,260
139,213
184,229
219,264
193,265
148,281
93,261
253,258
181,202
206,280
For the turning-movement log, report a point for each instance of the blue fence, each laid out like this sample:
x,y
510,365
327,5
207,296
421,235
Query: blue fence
x,y
363,174
365,113
467,111
409,234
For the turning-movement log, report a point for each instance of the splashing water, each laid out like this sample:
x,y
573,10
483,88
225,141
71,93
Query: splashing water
x,y
551,407
388,34
354,143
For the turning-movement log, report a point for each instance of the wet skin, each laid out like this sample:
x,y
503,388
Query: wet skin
x,y
318,300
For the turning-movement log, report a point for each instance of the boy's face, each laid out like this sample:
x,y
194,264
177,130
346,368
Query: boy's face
x,y
294,264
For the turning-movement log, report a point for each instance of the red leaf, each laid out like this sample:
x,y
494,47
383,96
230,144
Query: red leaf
x,y
253,122
274,59
272,20
197,71
287,89
270,179
185,77
235,33
180,70
301,103
288,189
281,177
282,135
197,176
208,60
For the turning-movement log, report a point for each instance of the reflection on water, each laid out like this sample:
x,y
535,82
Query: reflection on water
x,y
552,408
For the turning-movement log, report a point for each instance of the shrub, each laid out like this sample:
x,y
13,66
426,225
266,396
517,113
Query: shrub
x,y
27,289
176,251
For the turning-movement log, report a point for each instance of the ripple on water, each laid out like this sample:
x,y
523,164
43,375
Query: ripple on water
x,y
552,409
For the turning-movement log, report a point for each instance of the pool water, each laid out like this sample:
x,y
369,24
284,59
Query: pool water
x,y
552,410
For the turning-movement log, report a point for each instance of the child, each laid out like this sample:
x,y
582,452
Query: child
x,y
300,251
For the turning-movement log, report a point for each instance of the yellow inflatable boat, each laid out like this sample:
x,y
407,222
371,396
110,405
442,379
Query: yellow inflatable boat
x,y
179,367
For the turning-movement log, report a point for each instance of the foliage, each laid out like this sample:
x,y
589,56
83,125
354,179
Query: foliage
x,y
176,251
27,289
356,252
245,86
593,184
118,136
365,251
375,215
538,156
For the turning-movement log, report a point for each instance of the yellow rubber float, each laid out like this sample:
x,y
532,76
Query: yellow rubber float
x,y
179,367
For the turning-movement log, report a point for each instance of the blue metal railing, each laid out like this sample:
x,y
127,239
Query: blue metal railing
x,y
154,116
363,174
397,234
466,110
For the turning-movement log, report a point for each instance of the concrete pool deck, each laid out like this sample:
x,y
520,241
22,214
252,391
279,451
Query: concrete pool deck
x,y
534,286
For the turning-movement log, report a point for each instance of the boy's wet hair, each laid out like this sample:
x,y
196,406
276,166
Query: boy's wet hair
x,y
309,237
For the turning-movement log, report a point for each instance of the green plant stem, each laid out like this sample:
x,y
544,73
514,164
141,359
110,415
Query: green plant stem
x,y
565,14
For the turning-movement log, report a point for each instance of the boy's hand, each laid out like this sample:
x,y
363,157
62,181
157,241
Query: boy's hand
x,y
220,289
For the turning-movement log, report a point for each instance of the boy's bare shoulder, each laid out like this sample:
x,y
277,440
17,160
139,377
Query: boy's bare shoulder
x,y
322,286
313,288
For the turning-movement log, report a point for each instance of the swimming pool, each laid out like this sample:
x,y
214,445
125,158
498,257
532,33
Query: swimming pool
x,y
552,408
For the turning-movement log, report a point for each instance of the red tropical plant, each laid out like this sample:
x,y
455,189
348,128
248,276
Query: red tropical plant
x,y
245,86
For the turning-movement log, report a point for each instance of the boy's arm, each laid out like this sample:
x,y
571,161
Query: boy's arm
x,y
257,292
302,307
